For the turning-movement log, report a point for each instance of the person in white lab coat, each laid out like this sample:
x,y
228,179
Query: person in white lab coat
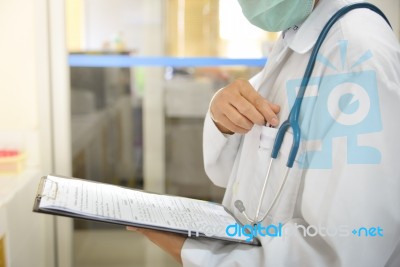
x,y
340,205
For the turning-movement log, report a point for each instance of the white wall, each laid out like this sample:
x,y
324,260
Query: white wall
x,y
34,105
24,113
18,66
19,77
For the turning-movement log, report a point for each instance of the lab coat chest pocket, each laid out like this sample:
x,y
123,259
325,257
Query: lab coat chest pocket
x,y
249,176
284,205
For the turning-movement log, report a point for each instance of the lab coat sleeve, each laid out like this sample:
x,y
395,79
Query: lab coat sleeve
x,y
211,253
219,152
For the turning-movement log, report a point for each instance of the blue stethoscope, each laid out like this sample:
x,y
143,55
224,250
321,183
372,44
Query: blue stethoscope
x,y
293,119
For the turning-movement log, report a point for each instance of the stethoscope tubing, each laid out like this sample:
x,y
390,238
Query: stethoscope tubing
x,y
293,119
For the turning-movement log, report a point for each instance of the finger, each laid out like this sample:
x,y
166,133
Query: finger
x,y
264,107
234,116
226,122
131,228
237,118
248,110
261,104
269,114
275,108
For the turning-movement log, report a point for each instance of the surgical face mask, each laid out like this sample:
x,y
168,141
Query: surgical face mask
x,y
276,15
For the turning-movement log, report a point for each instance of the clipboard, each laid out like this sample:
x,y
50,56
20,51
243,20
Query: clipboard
x,y
57,190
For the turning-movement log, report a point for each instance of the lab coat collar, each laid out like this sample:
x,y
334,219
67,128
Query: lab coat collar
x,y
301,38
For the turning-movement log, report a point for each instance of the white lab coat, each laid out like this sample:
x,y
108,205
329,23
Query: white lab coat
x,y
341,197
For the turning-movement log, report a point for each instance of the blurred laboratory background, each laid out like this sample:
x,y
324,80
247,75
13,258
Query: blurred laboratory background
x,y
113,91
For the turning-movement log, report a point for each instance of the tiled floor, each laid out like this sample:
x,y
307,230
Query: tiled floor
x,y
117,248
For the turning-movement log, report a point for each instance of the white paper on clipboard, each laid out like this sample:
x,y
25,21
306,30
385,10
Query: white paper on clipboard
x,y
110,203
